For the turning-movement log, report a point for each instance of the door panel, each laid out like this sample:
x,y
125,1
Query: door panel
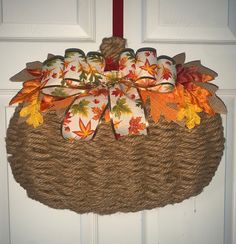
x,y
171,29
25,38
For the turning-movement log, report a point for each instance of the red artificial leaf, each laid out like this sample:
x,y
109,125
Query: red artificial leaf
x,y
28,92
62,103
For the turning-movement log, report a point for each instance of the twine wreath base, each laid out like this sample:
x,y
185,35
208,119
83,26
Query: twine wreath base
x,y
104,175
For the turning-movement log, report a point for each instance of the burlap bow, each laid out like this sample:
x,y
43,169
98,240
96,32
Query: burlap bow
x,y
95,91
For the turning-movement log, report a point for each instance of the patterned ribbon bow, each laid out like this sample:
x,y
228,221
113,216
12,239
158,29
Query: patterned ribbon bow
x,y
96,91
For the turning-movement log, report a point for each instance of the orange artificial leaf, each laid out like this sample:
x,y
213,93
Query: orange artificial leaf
x,y
29,91
166,73
151,69
47,102
85,131
199,96
62,103
159,105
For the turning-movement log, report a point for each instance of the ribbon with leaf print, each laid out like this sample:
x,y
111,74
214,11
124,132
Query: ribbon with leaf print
x,y
95,90
89,91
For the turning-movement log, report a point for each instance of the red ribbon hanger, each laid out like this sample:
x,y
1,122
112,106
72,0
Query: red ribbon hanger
x,y
118,17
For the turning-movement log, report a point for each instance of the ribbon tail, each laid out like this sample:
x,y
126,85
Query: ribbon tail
x,y
127,113
84,115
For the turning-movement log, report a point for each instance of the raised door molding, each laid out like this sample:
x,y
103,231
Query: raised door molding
x,y
24,220
208,217
52,20
189,21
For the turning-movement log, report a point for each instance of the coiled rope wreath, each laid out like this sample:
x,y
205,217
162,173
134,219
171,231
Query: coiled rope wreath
x,y
105,175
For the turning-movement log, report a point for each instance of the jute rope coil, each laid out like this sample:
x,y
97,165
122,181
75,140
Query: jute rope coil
x,y
106,175
112,47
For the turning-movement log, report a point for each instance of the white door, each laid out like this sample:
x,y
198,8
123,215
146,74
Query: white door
x,y
205,30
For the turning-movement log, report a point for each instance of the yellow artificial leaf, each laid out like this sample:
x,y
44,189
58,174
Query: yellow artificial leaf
x,y
32,110
188,113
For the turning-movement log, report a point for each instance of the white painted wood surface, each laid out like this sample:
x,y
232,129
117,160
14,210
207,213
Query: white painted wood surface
x,y
169,26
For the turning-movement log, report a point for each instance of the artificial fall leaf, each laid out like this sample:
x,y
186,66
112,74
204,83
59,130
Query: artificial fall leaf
x,y
193,72
29,91
159,104
136,126
199,96
188,113
32,111
151,69
46,102
166,73
98,112
85,131
117,92
62,103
